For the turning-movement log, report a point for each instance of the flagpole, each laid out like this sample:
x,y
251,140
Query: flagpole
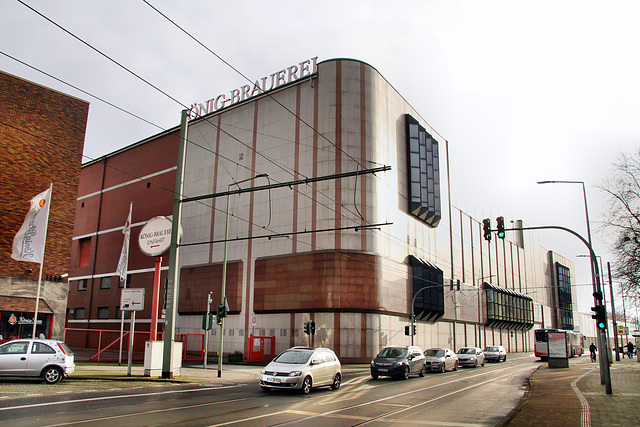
x,y
46,227
125,281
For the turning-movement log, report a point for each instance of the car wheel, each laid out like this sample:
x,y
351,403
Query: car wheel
x,y
406,373
455,366
336,382
505,358
52,375
482,362
306,385
423,371
443,369
374,376
267,389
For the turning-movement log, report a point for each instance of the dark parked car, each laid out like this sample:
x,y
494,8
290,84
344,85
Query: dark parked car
x,y
440,359
495,353
399,361
471,356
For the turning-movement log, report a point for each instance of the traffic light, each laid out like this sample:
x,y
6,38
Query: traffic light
x,y
486,227
221,313
600,316
207,324
407,330
312,327
307,328
500,221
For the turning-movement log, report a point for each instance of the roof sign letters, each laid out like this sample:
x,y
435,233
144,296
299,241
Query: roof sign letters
x,y
265,84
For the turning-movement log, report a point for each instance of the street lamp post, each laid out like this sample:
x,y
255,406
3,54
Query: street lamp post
x,y
604,353
224,266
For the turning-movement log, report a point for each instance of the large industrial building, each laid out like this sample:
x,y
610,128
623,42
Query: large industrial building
x,y
352,227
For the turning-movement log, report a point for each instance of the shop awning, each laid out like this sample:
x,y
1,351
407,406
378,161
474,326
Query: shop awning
x,y
23,304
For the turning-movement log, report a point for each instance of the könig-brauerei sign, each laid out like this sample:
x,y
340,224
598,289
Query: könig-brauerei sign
x,y
265,84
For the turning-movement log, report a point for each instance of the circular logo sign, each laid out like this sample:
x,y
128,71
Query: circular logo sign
x,y
155,236
13,319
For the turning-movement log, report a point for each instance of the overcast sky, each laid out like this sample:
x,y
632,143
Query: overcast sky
x,y
523,91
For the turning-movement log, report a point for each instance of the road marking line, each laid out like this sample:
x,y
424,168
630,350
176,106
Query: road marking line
x,y
91,399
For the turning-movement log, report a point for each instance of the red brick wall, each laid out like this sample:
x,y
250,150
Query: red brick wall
x,y
41,141
197,281
119,174
319,281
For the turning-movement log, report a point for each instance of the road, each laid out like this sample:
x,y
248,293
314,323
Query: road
x,y
469,397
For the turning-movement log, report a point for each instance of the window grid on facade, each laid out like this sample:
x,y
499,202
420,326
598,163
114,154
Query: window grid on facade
x,y
424,173
565,301
105,283
103,312
429,302
507,308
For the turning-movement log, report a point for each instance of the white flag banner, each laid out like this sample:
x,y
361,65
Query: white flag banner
x,y
123,263
28,244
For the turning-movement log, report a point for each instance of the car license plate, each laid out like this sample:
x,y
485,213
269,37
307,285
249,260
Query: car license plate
x,y
273,380
382,369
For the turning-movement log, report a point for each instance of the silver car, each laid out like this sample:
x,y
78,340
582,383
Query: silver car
x,y
441,360
52,360
301,368
470,356
495,353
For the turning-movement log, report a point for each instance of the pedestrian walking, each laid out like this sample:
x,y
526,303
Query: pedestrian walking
x,y
592,350
630,348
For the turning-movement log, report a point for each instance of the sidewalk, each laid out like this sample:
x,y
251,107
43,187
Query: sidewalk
x,y
195,373
574,396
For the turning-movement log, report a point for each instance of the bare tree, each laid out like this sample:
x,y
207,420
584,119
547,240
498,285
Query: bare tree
x,y
622,220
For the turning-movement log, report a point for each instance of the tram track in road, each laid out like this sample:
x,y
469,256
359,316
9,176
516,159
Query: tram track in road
x,y
363,420
360,401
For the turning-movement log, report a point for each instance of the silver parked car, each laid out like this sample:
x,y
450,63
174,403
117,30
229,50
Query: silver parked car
x,y
301,368
470,356
52,360
441,359
495,353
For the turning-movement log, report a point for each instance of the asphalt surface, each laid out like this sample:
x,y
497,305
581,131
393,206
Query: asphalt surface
x,y
554,396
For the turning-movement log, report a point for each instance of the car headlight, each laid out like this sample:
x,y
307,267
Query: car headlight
x,y
262,372
295,373
472,358
373,363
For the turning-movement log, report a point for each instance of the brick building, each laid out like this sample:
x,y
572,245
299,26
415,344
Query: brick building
x,y
143,174
41,140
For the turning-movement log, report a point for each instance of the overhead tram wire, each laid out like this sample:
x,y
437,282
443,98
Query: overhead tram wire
x,y
174,99
267,93
106,56
81,90
102,54
158,126
249,80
